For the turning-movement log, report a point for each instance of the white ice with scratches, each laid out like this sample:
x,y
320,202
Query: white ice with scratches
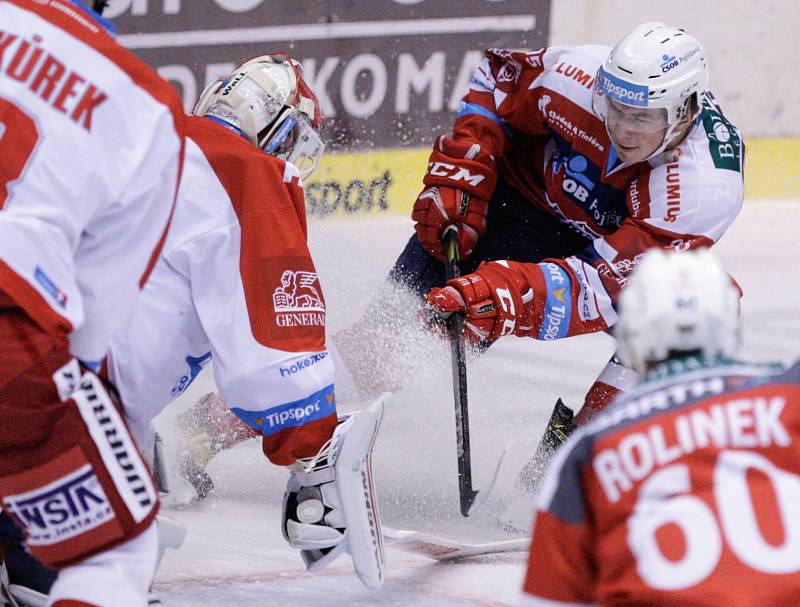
x,y
234,553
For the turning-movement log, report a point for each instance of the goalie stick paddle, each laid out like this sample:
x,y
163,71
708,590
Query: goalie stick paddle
x,y
445,549
455,326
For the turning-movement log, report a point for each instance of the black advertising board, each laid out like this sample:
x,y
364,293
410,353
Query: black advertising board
x,y
388,73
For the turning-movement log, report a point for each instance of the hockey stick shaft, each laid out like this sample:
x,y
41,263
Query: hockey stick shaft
x,y
455,325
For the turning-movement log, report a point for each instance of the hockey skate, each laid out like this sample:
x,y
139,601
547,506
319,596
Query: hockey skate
x,y
330,506
207,428
559,427
518,513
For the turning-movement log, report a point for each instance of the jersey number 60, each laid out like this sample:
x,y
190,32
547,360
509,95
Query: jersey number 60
x,y
664,499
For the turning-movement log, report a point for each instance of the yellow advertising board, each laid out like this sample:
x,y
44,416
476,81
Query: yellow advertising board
x,y
772,168
370,182
388,181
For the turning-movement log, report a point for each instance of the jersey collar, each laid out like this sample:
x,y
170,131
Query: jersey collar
x,y
228,126
105,23
684,364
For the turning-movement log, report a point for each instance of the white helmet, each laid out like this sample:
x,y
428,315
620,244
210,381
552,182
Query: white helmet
x,y
267,101
677,302
655,67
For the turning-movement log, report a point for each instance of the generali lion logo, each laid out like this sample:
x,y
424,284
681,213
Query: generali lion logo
x,y
297,301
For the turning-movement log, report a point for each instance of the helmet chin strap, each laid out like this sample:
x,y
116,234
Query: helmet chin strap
x,y
669,136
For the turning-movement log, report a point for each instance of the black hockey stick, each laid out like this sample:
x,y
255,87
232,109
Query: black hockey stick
x,y
455,326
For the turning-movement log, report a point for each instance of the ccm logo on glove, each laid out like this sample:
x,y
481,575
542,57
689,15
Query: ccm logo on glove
x,y
451,171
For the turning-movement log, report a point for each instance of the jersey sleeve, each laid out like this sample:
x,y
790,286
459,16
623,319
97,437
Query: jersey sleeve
x,y
561,569
258,298
498,100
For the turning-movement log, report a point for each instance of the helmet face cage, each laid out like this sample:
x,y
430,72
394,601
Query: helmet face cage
x,y
267,101
649,80
294,139
677,302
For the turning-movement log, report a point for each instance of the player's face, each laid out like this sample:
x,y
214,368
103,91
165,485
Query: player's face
x,y
636,132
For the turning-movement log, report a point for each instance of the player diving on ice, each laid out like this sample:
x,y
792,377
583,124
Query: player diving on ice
x,y
235,281
564,165
686,489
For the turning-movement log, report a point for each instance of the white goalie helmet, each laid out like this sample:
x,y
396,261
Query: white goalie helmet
x,y
268,102
677,302
656,69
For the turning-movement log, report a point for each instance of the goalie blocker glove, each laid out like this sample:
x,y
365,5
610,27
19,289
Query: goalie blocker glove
x,y
330,508
460,180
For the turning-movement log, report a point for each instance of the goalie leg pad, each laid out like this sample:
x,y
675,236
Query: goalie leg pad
x,y
330,506
71,476
353,466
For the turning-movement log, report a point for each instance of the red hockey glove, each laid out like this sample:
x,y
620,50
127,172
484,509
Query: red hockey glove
x,y
496,300
460,180
437,208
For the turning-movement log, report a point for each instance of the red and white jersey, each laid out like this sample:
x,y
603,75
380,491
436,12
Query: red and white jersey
x,y
91,148
236,283
686,491
532,113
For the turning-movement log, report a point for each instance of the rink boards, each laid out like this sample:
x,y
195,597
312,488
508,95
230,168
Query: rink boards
x,y
375,182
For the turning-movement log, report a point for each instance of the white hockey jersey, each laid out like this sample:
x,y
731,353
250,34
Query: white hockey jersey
x,y
91,148
235,282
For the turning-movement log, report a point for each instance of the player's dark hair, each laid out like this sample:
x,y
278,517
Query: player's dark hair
x,y
99,5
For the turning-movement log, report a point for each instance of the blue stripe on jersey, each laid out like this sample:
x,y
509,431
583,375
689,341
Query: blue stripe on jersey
x,y
316,406
52,288
466,109
558,306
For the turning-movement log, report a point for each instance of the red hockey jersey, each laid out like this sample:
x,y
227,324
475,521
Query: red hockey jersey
x,y
686,491
532,113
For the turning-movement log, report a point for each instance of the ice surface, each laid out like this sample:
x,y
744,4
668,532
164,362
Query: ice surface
x,y
234,553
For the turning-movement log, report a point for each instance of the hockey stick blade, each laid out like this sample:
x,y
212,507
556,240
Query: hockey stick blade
x,y
477,504
445,549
